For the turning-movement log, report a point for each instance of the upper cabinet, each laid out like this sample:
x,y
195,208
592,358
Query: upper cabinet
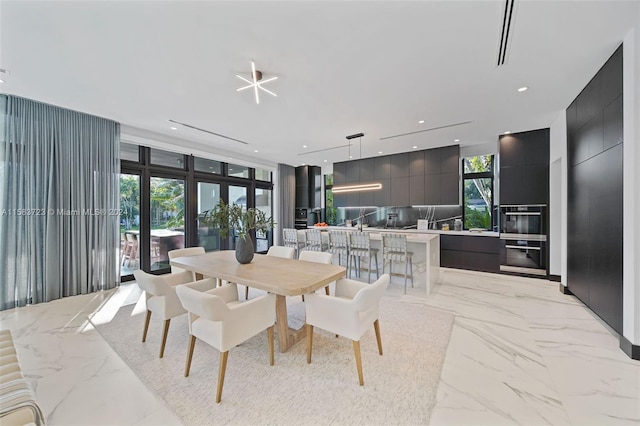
x,y
524,167
426,177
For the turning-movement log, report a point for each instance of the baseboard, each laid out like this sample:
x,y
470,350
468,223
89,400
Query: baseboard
x,y
632,351
555,278
564,289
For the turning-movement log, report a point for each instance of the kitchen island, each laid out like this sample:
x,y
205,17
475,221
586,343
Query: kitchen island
x,y
424,245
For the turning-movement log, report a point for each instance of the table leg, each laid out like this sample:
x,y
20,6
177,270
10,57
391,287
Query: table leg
x,y
287,337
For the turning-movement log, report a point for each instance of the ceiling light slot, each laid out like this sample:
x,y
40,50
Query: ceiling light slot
x,y
506,31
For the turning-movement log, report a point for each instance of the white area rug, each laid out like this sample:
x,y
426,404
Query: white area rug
x,y
400,386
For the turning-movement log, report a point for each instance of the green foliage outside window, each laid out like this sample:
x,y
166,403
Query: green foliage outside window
x,y
478,191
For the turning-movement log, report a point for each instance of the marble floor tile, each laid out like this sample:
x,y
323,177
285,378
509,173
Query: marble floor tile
x,y
520,353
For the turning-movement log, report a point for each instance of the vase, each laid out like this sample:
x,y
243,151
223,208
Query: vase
x,y
244,249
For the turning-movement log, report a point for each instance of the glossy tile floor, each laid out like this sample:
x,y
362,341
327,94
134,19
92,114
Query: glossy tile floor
x,y
520,353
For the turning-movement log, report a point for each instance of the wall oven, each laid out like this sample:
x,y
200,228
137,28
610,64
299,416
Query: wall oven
x,y
302,217
523,232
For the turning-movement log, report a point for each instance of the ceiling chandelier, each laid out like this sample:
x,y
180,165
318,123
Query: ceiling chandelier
x,y
256,82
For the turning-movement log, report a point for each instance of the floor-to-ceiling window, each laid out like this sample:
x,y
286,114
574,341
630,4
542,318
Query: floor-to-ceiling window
x,y
172,191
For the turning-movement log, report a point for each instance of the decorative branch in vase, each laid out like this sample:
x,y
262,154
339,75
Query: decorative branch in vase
x,y
238,220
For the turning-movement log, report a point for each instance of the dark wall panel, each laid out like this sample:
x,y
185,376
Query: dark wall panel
x,y
595,179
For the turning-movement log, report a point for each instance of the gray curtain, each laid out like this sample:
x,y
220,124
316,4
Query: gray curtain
x,y
59,199
287,199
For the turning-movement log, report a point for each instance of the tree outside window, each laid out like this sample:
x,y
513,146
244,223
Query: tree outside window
x,y
478,191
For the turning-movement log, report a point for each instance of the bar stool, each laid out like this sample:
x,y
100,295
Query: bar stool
x,y
359,247
339,244
314,240
290,239
394,247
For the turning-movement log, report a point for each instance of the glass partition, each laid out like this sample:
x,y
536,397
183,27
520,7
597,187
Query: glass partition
x,y
208,198
167,220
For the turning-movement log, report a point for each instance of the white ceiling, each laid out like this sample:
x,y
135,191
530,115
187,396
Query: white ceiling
x,y
342,67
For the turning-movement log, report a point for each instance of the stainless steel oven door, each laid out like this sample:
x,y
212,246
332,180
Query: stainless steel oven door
x,y
523,220
527,256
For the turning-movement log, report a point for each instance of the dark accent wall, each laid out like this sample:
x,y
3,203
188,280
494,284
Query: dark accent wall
x,y
426,177
595,229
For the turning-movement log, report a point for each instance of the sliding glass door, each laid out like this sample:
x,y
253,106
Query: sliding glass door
x,y
129,223
167,220
208,198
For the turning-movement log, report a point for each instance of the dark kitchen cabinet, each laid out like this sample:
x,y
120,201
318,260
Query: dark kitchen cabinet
x,y
612,124
382,167
308,187
450,189
382,197
399,165
416,163
353,171
427,177
595,194
339,173
432,189
477,253
524,168
416,190
400,191
450,159
367,167
432,161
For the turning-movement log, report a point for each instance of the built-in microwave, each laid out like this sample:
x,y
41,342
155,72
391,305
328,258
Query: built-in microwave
x,y
522,220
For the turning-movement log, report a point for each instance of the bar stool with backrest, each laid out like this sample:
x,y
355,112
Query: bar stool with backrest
x,y
314,240
360,247
394,247
290,239
339,244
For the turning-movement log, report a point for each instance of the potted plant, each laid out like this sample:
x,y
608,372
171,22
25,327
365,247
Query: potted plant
x,y
234,218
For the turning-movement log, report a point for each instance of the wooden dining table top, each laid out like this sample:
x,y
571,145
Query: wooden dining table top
x,y
285,277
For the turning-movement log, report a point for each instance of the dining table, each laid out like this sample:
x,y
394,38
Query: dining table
x,y
280,276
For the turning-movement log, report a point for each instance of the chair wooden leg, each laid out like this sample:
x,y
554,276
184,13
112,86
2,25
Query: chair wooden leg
x,y
164,337
222,369
190,346
270,338
326,290
376,326
309,342
146,326
246,293
303,297
356,350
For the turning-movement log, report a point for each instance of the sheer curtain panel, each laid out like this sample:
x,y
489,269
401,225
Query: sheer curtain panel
x,y
59,202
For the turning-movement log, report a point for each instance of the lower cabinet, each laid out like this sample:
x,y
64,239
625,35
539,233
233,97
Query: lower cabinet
x,y
472,253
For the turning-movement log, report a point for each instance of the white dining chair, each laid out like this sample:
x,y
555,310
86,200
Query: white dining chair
x,y
217,318
184,252
349,313
318,257
161,299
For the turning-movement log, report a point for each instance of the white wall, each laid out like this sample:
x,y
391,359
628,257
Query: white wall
x,y
558,197
631,185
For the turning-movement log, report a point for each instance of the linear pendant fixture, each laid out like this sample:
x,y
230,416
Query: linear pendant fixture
x,y
356,188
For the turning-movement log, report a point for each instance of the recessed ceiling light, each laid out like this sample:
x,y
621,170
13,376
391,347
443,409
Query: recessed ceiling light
x,y
507,132
379,152
173,128
325,161
304,146
351,156
1,81
415,146
255,150
456,140
421,121
303,164
522,89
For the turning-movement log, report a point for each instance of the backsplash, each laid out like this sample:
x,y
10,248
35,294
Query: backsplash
x,y
400,217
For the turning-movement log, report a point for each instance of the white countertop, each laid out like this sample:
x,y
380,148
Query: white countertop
x,y
409,231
